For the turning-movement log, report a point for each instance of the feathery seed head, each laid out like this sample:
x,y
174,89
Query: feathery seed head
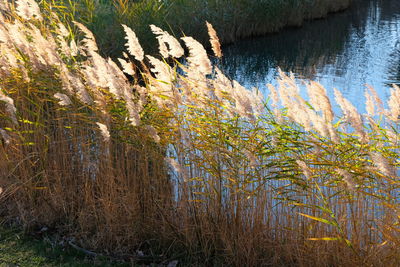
x,y
369,104
383,164
376,99
394,103
104,131
347,178
28,9
63,99
153,133
174,164
253,160
89,40
319,100
351,115
214,40
198,58
127,66
5,136
133,45
168,45
306,170
10,108
62,30
162,86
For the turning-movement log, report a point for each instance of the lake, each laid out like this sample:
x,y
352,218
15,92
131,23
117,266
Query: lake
x,y
346,50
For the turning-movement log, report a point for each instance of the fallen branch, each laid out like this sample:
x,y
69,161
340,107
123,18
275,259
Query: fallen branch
x,y
87,252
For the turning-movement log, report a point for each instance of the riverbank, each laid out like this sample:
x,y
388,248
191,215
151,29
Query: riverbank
x,y
232,20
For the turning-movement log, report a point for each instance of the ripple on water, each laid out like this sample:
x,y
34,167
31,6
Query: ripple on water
x,y
345,51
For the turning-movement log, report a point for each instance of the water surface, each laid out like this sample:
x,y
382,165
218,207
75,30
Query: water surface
x,y
347,50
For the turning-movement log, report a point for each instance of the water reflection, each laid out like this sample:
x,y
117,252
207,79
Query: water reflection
x,y
346,51
394,66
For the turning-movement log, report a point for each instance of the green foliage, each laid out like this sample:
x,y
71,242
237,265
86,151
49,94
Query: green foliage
x,y
232,19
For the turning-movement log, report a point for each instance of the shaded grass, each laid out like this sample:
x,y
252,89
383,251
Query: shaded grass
x,y
19,249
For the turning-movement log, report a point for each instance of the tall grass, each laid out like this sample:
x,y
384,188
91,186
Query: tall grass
x,y
182,163
233,19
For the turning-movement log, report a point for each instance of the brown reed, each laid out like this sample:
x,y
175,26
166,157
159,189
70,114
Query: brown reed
x,y
190,165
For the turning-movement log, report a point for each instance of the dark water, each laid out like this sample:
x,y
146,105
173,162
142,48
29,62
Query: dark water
x,y
345,51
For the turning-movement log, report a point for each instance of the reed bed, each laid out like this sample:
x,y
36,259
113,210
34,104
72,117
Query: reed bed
x,y
233,20
177,162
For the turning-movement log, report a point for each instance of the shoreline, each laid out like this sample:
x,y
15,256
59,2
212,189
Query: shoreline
x,y
232,21
276,29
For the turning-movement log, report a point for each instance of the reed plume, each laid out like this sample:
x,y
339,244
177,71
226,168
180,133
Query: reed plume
x,y
133,45
168,45
214,40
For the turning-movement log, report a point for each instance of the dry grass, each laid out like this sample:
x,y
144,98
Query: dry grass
x,y
185,163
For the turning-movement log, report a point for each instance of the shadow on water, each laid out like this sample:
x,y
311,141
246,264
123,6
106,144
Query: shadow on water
x,y
346,51
394,67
